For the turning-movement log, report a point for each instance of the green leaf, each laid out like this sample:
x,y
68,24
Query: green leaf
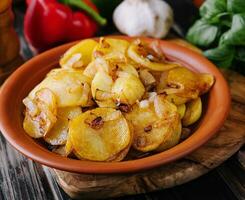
x,y
236,6
211,8
223,19
222,56
236,35
202,33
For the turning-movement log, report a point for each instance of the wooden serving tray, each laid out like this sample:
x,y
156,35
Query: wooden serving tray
x,y
223,145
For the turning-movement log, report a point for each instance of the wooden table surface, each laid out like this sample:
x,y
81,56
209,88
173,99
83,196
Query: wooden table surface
x,y
23,179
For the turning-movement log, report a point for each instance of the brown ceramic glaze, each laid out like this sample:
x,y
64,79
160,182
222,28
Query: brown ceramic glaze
x,y
20,83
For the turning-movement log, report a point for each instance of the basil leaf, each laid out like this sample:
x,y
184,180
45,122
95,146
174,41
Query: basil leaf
x,y
222,56
236,6
211,8
236,35
240,54
224,19
202,33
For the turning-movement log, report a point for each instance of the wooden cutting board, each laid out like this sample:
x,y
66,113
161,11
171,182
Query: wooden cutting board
x,y
223,145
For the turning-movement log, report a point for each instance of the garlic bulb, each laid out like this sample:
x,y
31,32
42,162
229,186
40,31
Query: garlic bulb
x,y
143,18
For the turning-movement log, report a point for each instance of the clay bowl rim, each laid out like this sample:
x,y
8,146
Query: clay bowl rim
x,y
10,117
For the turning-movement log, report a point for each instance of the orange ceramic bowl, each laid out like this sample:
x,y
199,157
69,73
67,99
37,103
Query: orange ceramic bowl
x,y
23,80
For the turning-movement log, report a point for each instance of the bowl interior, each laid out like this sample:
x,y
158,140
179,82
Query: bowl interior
x,y
22,81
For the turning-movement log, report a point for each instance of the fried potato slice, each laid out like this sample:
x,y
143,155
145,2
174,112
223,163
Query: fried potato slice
x,y
68,145
97,65
177,100
59,133
142,54
69,112
79,55
99,134
181,110
119,83
101,87
119,156
173,136
111,48
193,112
127,89
183,85
70,87
110,66
40,113
207,82
122,154
152,121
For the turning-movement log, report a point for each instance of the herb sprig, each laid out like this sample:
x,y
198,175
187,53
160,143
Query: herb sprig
x,y
221,33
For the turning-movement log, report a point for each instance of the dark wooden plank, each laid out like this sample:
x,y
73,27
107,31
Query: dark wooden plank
x,y
233,173
209,186
19,176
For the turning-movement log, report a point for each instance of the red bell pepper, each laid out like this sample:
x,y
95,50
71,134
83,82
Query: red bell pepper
x,y
88,2
49,23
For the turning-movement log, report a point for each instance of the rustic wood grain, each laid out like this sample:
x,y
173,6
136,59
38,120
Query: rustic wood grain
x,y
223,145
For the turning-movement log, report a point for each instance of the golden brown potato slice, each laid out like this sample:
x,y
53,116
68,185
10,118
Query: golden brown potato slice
x,y
114,158
177,100
193,112
79,55
145,56
97,65
101,87
111,48
122,154
173,136
187,83
207,82
127,89
152,120
183,85
117,66
119,83
68,145
110,66
59,133
69,112
119,156
99,134
181,110
70,87
40,113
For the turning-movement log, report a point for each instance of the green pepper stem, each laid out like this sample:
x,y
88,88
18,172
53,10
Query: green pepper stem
x,y
81,5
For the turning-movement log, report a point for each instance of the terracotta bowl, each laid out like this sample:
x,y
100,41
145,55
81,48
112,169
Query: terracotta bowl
x,y
21,82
